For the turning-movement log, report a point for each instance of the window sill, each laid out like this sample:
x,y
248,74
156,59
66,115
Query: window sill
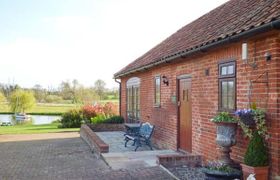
x,y
156,106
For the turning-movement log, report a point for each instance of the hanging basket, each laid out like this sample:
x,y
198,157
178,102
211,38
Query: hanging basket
x,y
247,119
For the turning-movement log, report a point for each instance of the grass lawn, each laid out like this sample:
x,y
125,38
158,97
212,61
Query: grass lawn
x,y
50,108
33,129
43,108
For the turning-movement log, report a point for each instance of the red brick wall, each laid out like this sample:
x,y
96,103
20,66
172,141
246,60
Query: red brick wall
x,y
205,96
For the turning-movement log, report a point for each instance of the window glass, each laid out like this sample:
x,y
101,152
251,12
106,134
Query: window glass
x,y
230,69
224,70
227,86
133,105
157,91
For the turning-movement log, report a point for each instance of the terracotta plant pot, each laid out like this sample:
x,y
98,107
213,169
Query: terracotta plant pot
x,y
261,173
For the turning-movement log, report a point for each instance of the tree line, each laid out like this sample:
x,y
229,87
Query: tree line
x,y
67,92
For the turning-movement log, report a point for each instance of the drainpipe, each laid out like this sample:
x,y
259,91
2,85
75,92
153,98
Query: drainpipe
x,y
120,95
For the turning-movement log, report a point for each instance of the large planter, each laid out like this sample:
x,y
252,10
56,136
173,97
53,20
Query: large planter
x,y
225,139
220,175
261,173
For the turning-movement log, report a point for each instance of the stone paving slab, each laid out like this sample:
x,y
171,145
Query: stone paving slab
x,y
134,160
62,158
120,157
115,140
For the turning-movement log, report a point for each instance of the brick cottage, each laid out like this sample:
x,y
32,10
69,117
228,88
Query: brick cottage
x,y
225,60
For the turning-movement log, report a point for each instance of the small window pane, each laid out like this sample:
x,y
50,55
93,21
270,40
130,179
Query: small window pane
x,y
230,102
230,69
224,88
230,87
224,102
224,70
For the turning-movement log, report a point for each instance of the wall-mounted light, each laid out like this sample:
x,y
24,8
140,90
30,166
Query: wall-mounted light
x,y
245,52
207,72
165,80
267,56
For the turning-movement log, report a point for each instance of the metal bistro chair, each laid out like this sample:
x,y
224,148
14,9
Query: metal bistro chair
x,y
144,135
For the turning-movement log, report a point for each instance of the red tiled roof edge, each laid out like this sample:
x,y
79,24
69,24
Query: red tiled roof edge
x,y
256,14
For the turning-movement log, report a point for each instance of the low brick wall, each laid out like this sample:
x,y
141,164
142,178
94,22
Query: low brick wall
x,y
106,127
96,144
178,160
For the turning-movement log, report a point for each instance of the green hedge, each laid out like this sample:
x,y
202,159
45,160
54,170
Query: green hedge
x,y
111,120
72,119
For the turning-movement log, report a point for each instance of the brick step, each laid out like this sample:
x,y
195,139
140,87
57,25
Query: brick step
x,y
171,160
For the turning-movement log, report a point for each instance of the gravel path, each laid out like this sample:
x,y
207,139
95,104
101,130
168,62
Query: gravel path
x,y
187,173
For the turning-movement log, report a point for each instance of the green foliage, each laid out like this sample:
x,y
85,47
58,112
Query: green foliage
x,y
224,117
2,97
21,101
53,99
98,119
256,154
111,120
259,118
72,119
114,120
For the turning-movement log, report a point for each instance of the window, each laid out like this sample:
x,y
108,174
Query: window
x,y
227,86
157,91
133,99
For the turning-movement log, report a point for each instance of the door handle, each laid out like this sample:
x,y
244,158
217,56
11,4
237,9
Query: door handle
x,y
179,103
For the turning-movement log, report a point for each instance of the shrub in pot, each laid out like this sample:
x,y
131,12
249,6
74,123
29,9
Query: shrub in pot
x,y
256,156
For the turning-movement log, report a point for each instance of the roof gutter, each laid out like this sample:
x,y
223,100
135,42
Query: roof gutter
x,y
202,48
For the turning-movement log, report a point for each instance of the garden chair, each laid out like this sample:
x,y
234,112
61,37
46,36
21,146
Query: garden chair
x,y
143,135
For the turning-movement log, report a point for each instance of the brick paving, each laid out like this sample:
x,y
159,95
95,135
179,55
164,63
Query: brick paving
x,y
61,158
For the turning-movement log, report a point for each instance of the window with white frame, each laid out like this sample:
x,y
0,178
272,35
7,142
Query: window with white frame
x,y
133,99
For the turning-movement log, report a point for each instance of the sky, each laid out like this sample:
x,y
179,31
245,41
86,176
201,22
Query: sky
x,y
49,41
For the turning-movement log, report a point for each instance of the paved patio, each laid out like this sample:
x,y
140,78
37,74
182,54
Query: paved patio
x,y
120,157
64,157
115,140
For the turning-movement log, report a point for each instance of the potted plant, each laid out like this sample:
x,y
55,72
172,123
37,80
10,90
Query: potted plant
x,y
256,156
246,116
226,126
217,170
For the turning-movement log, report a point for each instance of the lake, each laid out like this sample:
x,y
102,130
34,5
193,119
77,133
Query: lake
x,y
36,119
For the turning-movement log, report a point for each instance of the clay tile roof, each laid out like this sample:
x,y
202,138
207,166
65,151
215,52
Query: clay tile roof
x,y
231,18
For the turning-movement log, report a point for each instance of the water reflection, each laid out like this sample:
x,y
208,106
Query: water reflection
x,y
35,119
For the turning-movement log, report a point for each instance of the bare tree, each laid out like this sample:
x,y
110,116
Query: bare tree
x,y
99,87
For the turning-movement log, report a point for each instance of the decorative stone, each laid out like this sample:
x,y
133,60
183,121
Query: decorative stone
x,y
225,139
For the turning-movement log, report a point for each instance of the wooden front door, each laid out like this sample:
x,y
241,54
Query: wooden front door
x,y
185,115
